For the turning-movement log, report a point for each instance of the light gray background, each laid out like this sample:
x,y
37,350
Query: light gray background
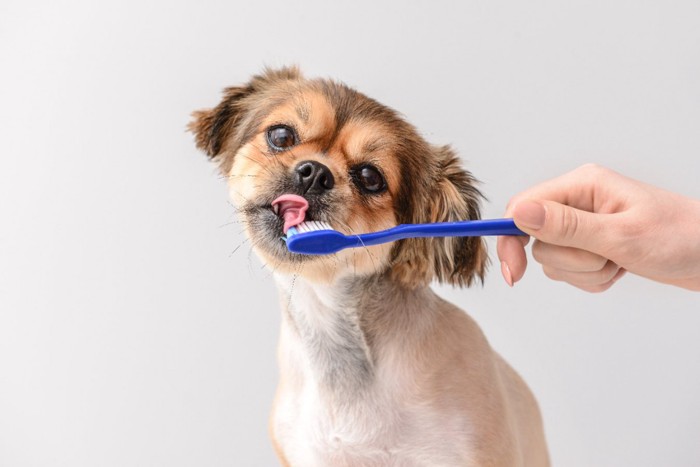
x,y
131,336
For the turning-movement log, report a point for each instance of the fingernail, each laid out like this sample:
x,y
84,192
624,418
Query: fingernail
x,y
529,214
505,270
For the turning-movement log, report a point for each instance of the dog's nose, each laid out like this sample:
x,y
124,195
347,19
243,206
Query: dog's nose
x,y
313,177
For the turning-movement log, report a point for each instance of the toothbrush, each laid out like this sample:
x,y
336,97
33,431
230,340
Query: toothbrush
x,y
319,238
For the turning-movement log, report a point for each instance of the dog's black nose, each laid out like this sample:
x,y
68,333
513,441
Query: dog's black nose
x,y
313,177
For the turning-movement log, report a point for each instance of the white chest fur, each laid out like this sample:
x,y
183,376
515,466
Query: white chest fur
x,y
341,402
374,433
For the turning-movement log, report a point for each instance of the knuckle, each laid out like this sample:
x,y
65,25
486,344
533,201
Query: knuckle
x,y
589,262
551,273
589,166
568,224
595,288
602,275
592,168
537,253
512,202
593,173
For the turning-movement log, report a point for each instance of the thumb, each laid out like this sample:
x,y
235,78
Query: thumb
x,y
561,225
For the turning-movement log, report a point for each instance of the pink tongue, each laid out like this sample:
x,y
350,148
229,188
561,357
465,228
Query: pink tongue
x,y
292,208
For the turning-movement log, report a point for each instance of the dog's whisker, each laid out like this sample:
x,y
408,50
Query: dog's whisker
x,y
230,176
250,260
261,164
371,256
248,201
236,209
276,158
238,221
291,286
239,246
270,154
354,262
332,259
274,268
354,250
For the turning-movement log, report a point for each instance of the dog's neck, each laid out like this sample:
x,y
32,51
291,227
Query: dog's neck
x,y
345,328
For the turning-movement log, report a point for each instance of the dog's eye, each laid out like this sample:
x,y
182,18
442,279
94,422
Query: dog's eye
x,y
369,179
281,137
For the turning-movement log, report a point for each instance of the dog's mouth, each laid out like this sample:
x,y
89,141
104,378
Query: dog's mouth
x,y
269,222
291,209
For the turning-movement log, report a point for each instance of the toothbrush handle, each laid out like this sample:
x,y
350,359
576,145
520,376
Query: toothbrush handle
x,y
475,228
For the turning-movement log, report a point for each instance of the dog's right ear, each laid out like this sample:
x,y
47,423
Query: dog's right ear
x,y
219,130
211,127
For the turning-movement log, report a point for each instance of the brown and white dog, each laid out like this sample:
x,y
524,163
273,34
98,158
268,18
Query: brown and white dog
x,y
375,368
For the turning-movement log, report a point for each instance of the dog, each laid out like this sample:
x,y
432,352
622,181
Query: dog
x,y
375,368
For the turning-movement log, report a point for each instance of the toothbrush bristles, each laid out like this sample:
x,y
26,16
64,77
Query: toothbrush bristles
x,y
311,226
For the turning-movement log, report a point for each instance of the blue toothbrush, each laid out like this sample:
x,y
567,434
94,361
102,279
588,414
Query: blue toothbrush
x,y
319,238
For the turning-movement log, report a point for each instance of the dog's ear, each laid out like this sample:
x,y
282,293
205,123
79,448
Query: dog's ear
x,y
452,196
457,260
212,128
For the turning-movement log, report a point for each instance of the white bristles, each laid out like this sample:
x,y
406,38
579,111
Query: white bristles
x,y
312,226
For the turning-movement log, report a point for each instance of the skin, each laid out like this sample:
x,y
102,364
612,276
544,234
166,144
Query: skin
x,y
592,225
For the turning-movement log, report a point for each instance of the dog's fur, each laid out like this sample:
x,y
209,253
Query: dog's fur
x,y
375,368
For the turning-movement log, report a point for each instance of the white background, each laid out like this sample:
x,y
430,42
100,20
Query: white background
x,y
131,336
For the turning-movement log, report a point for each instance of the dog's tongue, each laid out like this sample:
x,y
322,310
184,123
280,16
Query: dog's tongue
x,y
291,208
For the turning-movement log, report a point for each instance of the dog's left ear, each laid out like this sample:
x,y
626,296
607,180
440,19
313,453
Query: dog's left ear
x,y
458,260
452,196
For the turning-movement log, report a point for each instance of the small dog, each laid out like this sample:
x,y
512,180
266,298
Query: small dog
x,y
375,368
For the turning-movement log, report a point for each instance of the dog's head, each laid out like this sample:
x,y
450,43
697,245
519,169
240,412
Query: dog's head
x,y
295,149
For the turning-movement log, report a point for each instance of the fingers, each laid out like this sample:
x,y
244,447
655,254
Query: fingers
x,y
566,213
511,252
602,287
590,281
567,258
561,225
583,269
580,268
599,277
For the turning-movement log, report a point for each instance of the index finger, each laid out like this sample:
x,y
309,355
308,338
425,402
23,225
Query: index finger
x,y
580,189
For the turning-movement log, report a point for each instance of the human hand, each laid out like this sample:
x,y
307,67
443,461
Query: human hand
x,y
593,224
